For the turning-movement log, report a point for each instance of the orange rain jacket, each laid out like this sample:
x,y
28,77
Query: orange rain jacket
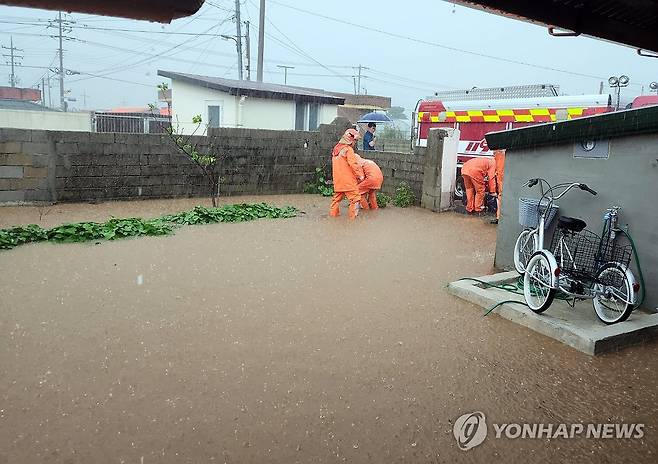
x,y
478,168
345,167
499,156
374,177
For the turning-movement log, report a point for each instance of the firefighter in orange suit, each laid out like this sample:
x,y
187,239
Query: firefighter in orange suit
x,y
373,182
347,173
499,157
474,171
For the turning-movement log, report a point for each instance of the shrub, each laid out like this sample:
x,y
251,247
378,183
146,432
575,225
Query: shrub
x,y
404,196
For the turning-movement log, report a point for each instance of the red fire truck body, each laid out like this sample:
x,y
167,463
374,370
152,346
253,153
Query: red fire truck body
x,y
475,118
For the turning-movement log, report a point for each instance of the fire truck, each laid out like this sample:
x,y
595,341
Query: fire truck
x,y
477,112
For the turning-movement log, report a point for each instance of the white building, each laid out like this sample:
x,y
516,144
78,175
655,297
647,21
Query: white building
x,y
248,104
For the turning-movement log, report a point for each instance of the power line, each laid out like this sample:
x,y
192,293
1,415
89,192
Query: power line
x,y
300,51
86,74
435,44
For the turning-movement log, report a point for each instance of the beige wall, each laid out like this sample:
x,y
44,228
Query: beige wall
x,y
249,112
259,113
45,120
189,100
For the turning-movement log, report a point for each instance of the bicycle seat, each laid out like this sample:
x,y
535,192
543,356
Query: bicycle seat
x,y
572,224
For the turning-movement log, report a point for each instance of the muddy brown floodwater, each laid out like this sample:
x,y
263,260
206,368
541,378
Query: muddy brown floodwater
x,y
311,339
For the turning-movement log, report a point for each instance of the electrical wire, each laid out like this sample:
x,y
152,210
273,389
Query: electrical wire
x,y
437,44
298,49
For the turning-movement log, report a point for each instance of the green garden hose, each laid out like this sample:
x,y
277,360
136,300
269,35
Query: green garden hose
x,y
516,289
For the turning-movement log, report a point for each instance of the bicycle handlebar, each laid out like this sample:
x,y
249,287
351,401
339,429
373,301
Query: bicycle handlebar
x,y
587,189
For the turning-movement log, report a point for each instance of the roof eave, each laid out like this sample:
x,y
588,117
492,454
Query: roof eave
x,y
253,92
602,126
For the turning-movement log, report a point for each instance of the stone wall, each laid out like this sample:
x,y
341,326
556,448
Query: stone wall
x,y
399,167
54,166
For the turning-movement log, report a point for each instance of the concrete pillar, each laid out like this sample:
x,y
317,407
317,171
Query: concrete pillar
x,y
431,198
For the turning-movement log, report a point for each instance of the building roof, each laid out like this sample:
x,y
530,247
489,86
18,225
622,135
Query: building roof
x,y
629,22
256,89
10,104
602,126
163,11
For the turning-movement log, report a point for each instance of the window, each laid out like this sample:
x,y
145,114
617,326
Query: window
x,y
307,116
313,110
213,116
300,116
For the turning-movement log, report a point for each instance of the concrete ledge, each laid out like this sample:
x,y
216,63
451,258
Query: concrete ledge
x,y
577,327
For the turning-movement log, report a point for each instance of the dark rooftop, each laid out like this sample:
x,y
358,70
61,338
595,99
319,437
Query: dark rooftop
x,y
629,22
256,89
602,126
154,10
8,104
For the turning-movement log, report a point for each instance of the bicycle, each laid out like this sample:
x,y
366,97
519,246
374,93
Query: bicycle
x,y
578,263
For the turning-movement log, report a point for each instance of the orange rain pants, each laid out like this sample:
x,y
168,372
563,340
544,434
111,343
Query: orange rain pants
x,y
354,197
474,171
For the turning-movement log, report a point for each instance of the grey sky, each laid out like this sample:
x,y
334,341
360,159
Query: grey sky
x,y
323,51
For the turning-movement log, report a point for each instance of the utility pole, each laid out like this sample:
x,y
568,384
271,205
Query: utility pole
x,y
248,45
285,72
43,91
358,87
50,91
354,79
62,28
13,57
261,41
62,103
238,42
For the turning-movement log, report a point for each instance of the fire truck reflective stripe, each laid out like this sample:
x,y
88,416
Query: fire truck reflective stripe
x,y
519,115
524,118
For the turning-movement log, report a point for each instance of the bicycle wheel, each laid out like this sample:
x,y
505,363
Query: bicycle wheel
x,y
526,244
613,300
538,283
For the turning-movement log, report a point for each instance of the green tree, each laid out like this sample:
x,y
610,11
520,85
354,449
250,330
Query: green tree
x,y
396,112
205,157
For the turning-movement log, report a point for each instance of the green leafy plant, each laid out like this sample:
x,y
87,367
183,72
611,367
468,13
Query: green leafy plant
x,y
10,238
319,184
117,228
133,227
383,200
76,232
403,196
231,213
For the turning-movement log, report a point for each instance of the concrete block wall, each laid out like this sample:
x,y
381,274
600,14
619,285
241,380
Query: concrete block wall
x,y
23,170
58,166
399,167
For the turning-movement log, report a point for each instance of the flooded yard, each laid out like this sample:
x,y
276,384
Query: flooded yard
x,y
311,339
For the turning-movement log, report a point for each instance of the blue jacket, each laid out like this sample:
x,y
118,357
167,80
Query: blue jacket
x,y
367,138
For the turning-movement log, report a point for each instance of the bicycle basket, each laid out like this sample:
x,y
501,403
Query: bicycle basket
x,y
530,210
583,254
